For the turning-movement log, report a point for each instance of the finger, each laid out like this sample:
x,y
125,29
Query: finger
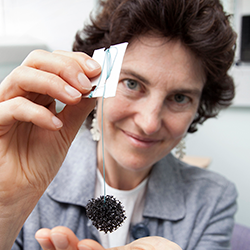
x,y
88,65
43,238
152,243
21,109
24,80
63,238
88,244
69,66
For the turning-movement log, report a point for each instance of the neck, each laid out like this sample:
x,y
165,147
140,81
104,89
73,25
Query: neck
x,y
118,176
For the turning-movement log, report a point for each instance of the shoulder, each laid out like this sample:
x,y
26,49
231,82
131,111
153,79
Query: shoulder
x,y
82,143
81,154
204,178
200,176
196,184
207,185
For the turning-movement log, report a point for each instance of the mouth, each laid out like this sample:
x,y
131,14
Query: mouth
x,y
139,141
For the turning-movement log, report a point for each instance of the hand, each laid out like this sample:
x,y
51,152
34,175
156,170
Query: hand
x,y
62,238
34,139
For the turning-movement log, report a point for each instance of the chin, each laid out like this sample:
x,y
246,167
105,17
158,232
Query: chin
x,y
135,165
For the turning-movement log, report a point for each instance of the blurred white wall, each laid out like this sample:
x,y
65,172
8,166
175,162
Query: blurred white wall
x,y
225,139
26,25
245,7
50,21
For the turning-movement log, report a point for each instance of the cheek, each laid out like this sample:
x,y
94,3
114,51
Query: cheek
x,y
178,124
116,109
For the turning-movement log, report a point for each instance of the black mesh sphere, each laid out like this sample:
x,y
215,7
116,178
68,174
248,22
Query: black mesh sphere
x,y
106,216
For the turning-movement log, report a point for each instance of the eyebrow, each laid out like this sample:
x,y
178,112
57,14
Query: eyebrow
x,y
193,91
134,74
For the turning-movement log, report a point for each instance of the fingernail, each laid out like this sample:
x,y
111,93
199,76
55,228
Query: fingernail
x,y
84,81
57,122
60,240
92,64
44,243
72,91
84,247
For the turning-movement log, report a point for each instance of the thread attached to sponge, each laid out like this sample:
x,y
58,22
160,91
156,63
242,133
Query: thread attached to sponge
x,y
106,214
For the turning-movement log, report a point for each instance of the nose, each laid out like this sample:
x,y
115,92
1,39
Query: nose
x,y
149,117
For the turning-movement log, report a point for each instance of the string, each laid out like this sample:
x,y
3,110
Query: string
x,y
109,64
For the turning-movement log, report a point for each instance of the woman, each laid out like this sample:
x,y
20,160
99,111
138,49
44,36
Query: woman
x,y
173,77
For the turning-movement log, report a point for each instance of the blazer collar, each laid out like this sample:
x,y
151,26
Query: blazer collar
x,y
75,181
165,194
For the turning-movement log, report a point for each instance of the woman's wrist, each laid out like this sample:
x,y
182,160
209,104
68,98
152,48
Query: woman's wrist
x,y
13,214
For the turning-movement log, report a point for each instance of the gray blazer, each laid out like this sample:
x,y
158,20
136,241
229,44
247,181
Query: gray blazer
x,y
188,205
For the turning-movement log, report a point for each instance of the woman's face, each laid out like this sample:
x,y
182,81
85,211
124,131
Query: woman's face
x,y
156,100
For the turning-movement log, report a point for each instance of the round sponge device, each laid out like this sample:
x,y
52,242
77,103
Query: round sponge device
x,y
106,215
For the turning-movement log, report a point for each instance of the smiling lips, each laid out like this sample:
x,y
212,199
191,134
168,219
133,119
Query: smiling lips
x,y
139,141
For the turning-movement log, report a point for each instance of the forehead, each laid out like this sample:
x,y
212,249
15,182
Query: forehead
x,y
156,58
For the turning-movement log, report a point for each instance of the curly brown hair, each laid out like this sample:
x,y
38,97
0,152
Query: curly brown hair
x,y
201,25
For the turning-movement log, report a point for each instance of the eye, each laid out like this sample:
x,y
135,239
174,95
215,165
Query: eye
x,y
132,84
182,99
